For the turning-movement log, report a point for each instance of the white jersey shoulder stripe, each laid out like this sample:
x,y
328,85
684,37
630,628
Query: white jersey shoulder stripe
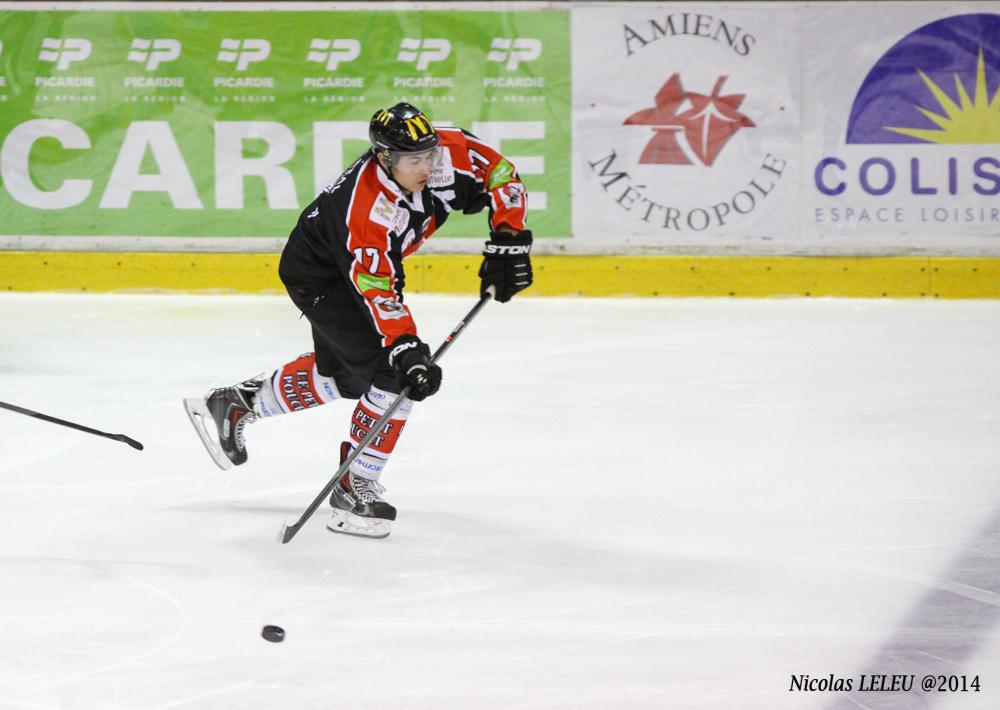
x,y
387,182
354,192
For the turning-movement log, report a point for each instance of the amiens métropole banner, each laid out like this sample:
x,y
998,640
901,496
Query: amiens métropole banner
x,y
218,124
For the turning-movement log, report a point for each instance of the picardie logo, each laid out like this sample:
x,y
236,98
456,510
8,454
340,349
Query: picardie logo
x,y
64,51
154,52
423,51
933,86
333,52
514,51
244,52
707,122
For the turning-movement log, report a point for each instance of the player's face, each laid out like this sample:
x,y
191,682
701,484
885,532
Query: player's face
x,y
412,170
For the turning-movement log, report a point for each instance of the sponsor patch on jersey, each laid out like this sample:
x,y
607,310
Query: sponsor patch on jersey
x,y
389,307
367,281
443,173
512,195
383,211
401,221
502,174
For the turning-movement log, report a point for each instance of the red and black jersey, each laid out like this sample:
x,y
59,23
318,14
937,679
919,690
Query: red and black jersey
x,y
363,225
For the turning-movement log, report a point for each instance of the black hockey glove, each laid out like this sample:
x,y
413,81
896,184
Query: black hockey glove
x,y
411,358
506,264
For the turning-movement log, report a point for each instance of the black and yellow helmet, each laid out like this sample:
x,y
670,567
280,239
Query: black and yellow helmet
x,y
401,129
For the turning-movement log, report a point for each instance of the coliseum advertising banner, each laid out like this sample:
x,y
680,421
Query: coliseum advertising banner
x,y
902,142
211,124
685,126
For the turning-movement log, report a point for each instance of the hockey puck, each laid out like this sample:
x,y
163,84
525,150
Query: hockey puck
x,y
274,634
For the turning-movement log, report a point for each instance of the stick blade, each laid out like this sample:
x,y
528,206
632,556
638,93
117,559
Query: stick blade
x,y
288,532
130,441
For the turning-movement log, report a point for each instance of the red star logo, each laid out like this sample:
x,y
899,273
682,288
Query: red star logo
x,y
707,125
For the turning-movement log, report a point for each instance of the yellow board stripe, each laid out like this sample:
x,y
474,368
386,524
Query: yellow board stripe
x,y
755,276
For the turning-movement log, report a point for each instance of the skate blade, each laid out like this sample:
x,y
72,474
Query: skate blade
x,y
350,524
201,420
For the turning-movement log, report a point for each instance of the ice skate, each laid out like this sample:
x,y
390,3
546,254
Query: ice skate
x,y
358,506
220,419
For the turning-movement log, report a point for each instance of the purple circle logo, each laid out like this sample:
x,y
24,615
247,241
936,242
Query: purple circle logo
x,y
939,84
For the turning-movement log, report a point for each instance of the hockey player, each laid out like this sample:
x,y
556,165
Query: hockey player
x,y
343,268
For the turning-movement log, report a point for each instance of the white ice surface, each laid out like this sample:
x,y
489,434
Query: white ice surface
x,y
610,504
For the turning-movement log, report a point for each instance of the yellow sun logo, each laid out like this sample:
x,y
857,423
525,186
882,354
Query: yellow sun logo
x,y
975,121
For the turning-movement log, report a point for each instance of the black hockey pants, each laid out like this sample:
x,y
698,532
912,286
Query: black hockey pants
x,y
348,348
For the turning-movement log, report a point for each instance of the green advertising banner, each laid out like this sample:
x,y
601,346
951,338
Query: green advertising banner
x,y
208,123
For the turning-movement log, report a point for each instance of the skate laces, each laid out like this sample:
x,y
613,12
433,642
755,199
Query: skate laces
x,y
245,391
240,426
367,490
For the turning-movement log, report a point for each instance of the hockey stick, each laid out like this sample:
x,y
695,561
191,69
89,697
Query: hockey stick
x,y
289,531
79,427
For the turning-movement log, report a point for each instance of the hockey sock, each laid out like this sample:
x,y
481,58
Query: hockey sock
x,y
294,387
370,409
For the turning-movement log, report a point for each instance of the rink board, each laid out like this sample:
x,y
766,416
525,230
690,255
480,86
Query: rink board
x,y
859,277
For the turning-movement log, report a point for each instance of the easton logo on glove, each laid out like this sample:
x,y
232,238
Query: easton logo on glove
x,y
506,264
399,350
411,358
507,249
